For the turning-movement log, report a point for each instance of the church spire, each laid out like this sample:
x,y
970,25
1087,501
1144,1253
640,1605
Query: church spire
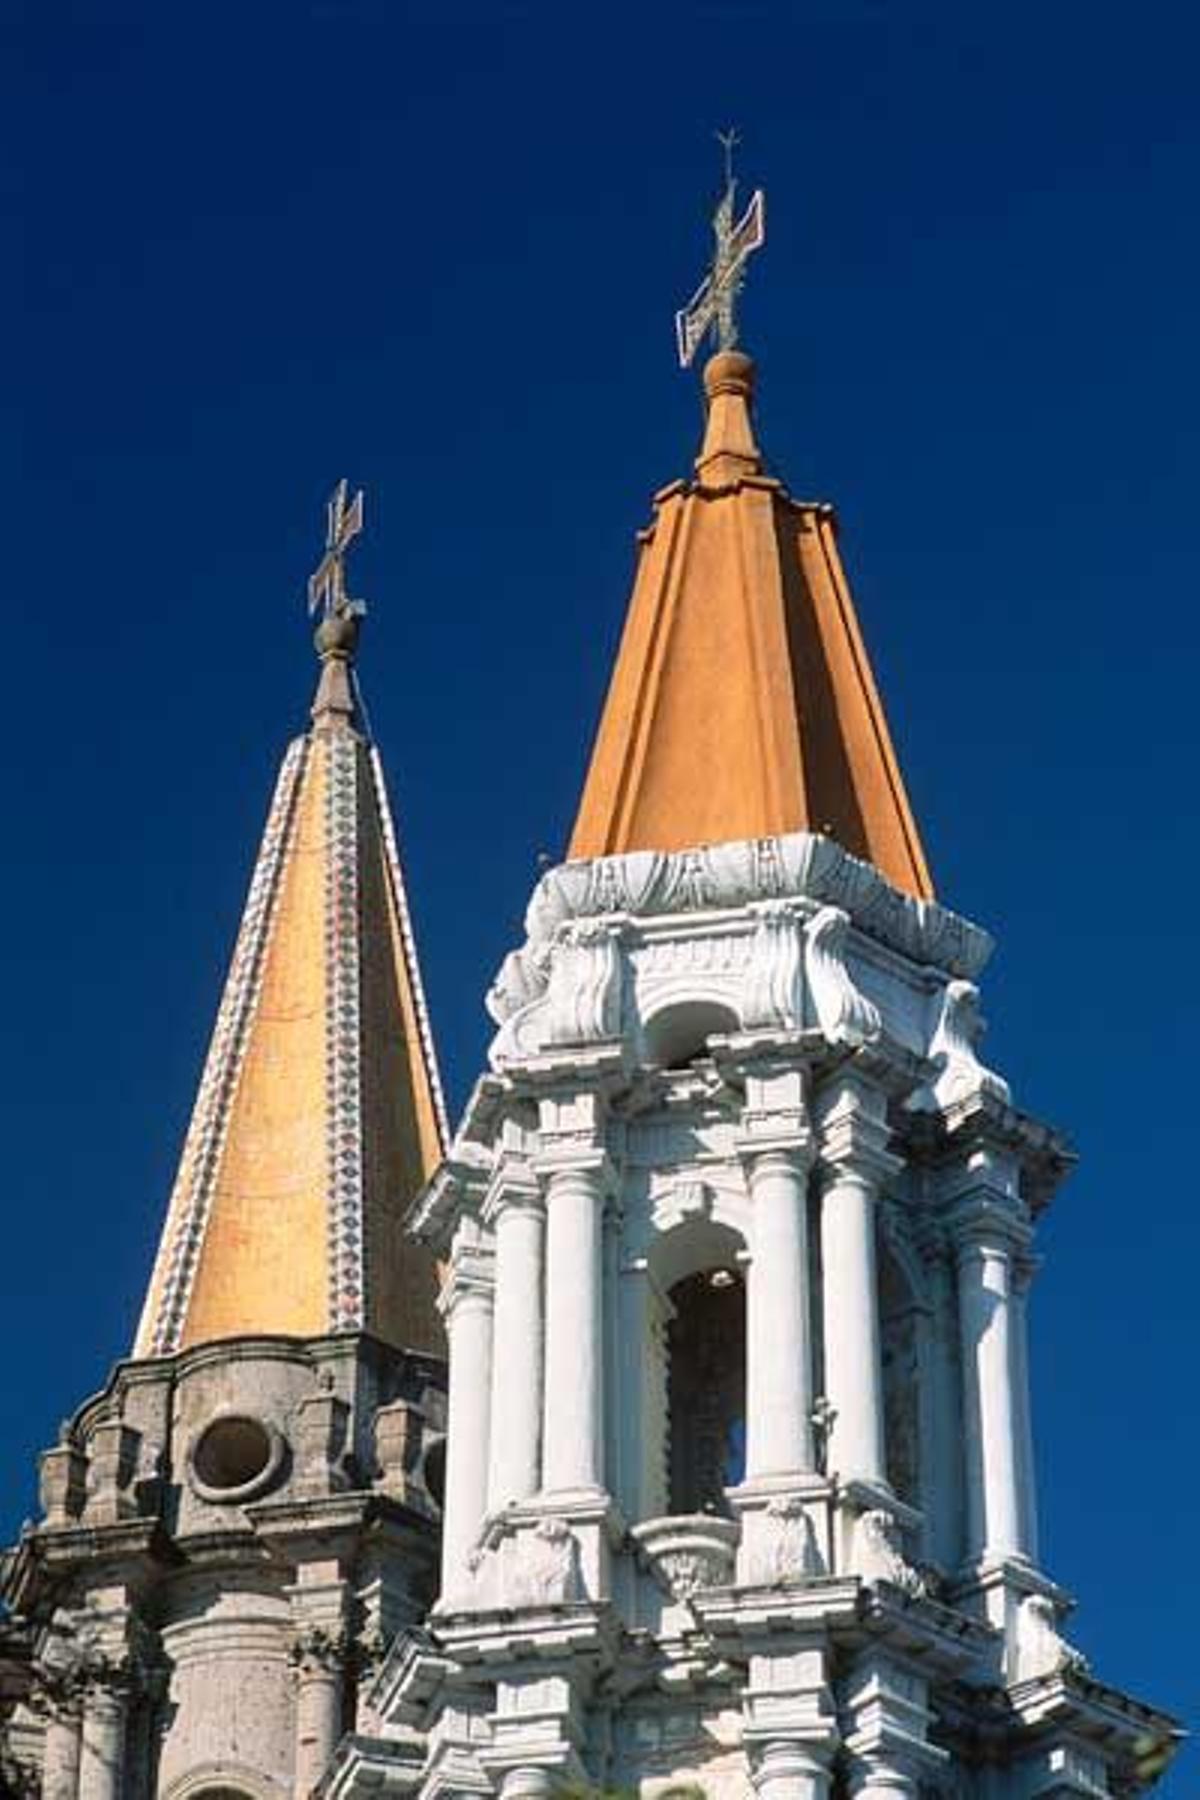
x,y
742,703
319,1113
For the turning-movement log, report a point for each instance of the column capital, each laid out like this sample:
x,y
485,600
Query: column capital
x,y
983,1223
514,1187
469,1282
776,1114
318,1652
589,1161
853,1132
784,1149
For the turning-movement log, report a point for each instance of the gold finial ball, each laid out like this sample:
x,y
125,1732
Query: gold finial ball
x,y
337,635
729,372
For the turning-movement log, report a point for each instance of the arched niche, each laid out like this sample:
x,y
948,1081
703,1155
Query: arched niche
x,y
675,1034
694,1436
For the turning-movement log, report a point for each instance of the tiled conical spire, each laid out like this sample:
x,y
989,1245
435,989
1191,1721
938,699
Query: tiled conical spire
x,y
319,1114
742,703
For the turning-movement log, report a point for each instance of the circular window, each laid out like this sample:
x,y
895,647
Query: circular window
x,y
235,1457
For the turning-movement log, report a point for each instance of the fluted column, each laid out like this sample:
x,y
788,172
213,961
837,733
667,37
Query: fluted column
x,y
985,1237
854,1164
518,1218
319,1662
102,1742
574,1402
779,1392
466,1304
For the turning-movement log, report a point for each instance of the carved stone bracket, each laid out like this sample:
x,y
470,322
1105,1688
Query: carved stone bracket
x,y
844,1014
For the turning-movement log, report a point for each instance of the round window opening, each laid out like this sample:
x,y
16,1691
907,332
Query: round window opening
x,y
235,1456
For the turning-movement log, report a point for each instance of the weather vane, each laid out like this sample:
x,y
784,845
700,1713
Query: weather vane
x,y
713,306
327,584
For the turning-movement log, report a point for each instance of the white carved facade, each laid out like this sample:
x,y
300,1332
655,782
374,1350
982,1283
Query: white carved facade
x,y
755,1064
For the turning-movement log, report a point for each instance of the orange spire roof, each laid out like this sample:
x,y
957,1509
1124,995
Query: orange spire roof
x,y
319,1115
742,703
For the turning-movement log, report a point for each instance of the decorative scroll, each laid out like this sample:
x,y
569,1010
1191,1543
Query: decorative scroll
x,y
844,1015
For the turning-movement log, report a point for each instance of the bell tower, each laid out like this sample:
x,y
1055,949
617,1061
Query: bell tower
x,y
739,1234
237,1525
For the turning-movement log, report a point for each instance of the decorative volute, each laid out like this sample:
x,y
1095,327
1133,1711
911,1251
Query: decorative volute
x,y
742,704
319,1114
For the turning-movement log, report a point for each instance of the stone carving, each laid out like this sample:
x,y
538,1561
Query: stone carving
x,y
544,1565
771,992
790,1551
400,896
952,1050
1041,1649
729,875
318,1650
823,1419
112,1464
689,1552
844,1015
585,984
878,1556
319,1435
62,1475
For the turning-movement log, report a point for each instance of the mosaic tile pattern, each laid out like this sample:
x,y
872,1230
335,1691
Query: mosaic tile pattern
x,y
400,897
343,1035
191,1198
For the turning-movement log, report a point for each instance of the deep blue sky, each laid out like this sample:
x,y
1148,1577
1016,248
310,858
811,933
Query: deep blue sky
x,y
438,250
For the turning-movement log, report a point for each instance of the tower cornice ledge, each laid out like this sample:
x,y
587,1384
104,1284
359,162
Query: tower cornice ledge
x,y
713,877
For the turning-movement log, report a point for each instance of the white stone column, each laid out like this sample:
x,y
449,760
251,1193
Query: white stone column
x,y
574,1409
854,1164
790,1770
320,1694
983,1250
466,1304
518,1218
1024,1270
102,1743
60,1756
779,1388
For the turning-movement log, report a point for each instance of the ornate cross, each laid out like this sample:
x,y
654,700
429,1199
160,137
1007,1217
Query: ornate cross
x,y
713,305
327,584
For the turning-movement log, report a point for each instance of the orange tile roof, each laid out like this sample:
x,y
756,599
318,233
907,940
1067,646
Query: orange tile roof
x,y
742,703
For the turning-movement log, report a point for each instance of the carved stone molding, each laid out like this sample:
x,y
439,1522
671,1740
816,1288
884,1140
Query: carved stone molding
x,y
317,1651
844,1015
689,1552
959,1074
878,1556
1040,1649
772,992
799,865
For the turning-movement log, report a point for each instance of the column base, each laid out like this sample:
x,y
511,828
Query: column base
x,y
790,1770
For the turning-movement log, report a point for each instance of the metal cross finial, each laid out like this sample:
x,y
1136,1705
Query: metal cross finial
x,y
713,306
327,584
728,140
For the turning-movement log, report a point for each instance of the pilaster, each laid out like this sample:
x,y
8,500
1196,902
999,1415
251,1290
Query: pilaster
x,y
466,1302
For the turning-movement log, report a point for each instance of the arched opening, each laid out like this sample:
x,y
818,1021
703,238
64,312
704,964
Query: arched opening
x,y
706,1389
678,1034
899,1317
